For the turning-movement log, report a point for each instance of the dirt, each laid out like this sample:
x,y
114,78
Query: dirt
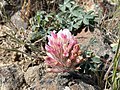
x,y
21,72
34,76
16,67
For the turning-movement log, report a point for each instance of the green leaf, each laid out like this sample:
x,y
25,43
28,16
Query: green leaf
x,y
80,16
85,21
89,16
77,14
38,18
62,8
114,46
77,24
35,36
70,28
73,8
92,67
68,5
72,2
90,12
50,28
60,19
76,19
96,59
66,1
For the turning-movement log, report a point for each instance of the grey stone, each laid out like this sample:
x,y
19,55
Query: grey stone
x,y
18,22
33,75
11,78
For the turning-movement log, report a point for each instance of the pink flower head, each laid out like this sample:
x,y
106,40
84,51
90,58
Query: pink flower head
x,y
62,51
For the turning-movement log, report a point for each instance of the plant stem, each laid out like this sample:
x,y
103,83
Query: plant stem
x,y
115,65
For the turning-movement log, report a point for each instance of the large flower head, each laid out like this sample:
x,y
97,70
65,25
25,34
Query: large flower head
x,y
62,51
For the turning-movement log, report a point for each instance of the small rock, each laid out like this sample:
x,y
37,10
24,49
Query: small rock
x,y
75,79
18,22
33,76
11,78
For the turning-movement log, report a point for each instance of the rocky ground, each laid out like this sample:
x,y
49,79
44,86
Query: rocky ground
x,y
20,71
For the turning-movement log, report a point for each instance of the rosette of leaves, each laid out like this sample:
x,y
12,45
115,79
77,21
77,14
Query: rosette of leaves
x,y
42,24
92,64
72,16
